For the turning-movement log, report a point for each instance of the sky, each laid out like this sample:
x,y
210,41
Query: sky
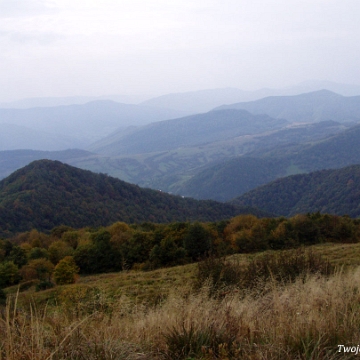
x,y
155,47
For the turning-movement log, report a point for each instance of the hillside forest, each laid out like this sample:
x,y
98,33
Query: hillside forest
x,y
58,256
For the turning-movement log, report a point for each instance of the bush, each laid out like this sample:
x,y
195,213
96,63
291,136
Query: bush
x,y
43,285
283,266
66,271
9,274
196,343
217,273
2,297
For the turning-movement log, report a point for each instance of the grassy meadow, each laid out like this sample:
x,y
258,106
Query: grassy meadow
x,y
237,312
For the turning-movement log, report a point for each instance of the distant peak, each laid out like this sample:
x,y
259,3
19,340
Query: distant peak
x,y
325,92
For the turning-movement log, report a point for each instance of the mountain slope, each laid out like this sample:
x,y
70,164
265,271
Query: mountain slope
x,y
48,193
231,178
327,191
12,160
310,107
203,100
86,122
234,177
188,131
14,137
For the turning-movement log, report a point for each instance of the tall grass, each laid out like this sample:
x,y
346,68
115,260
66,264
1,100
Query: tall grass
x,y
304,319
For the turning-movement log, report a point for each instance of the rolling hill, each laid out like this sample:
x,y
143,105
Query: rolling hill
x,y
172,170
309,107
12,160
231,178
186,132
46,193
327,191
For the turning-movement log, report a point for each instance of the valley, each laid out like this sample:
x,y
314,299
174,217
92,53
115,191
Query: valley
x,y
243,213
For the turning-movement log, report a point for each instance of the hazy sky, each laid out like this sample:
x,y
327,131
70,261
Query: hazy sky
x,y
84,47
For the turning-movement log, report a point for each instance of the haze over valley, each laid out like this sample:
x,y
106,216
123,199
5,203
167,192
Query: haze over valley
x,y
219,154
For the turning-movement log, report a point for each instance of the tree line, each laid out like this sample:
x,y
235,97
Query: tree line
x,y
59,256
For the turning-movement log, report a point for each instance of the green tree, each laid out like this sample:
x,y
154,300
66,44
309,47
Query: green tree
x,y
38,253
18,256
58,250
136,249
197,241
167,253
66,271
98,254
38,269
9,274
2,297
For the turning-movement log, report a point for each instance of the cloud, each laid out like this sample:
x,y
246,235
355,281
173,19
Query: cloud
x,y
91,46
24,8
31,38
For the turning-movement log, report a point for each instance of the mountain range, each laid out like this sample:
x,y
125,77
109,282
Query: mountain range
x,y
73,125
326,191
309,107
189,131
192,101
46,193
206,100
218,155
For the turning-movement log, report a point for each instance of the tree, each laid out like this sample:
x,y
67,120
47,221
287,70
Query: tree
x,y
98,255
197,241
37,269
167,253
9,274
38,253
58,250
18,256
66,271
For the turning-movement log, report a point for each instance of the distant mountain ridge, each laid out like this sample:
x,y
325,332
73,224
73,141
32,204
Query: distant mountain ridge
x,y
309,107
327,191
50,101
17,137
188,131
208,99
46,193
84,123
234,177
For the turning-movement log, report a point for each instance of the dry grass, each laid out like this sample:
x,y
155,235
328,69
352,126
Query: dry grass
x,y
297,321
113,317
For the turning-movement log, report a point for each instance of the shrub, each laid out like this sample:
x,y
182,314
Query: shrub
x,y
43,285
2,297
40,269
283,266
217,273
9,274
66,271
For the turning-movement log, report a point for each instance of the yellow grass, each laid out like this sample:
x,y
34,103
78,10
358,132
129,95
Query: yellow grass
x,y
114,316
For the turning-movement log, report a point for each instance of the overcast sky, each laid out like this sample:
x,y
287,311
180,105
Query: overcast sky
x,y
84,47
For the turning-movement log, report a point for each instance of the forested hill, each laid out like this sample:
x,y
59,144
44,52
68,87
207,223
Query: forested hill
x,y
327,191
232,178
48,193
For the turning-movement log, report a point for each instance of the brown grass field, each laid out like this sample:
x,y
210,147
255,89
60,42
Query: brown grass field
x,y
160,315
